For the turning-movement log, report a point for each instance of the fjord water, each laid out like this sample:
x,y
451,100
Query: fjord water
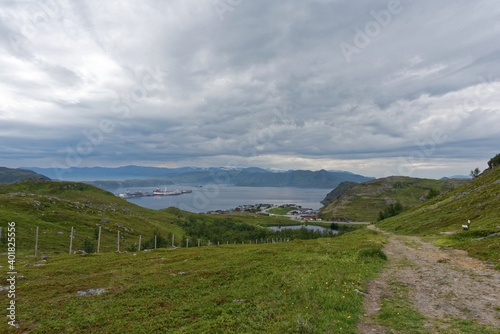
x,y
223,197
298,227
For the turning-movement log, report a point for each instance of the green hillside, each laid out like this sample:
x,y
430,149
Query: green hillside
x,y
55,207
340,190
11,175
478,201
364,201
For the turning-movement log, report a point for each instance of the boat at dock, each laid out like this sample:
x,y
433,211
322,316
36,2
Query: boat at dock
x,y
156,192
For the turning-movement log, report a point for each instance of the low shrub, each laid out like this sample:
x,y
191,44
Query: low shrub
x,y
372,252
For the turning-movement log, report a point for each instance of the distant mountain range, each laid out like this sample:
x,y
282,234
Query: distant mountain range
x,y
114,173
137,176
11,175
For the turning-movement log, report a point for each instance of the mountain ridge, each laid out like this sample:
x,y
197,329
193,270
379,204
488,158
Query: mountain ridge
x,y
128,176
11,175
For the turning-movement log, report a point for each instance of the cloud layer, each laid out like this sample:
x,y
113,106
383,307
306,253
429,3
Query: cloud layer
x,y
378,88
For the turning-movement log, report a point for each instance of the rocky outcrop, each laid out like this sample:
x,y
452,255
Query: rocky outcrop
x,y
494,162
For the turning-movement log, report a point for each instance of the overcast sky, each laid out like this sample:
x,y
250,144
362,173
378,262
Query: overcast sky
x,y
373,87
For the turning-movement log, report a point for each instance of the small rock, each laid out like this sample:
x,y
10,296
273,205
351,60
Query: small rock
x,y
442,305
239,300
105,220
472,310
90,292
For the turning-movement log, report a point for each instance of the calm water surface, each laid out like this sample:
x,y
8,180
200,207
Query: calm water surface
x,y
224,197
298,227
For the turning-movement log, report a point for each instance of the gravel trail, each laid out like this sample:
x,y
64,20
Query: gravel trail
x,y
444,284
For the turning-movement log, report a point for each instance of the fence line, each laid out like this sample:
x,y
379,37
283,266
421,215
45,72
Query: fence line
x,y
99,239
36,241
70,241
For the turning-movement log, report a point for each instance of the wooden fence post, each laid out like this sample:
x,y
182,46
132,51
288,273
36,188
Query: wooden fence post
x,y
118,250
155,241
173,236
71,240
99,240
198,242
36,241
139,248
187,243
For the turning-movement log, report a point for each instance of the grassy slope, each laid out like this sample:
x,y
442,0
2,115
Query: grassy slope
x,y
478,201
364,201
57,206
300,286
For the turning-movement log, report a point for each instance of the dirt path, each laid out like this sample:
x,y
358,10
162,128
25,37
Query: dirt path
x,y
443,285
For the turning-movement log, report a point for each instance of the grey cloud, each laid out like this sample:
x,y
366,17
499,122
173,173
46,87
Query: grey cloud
x,y
269,79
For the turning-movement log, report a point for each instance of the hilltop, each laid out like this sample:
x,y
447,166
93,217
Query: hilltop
x,y
364,201
11,175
